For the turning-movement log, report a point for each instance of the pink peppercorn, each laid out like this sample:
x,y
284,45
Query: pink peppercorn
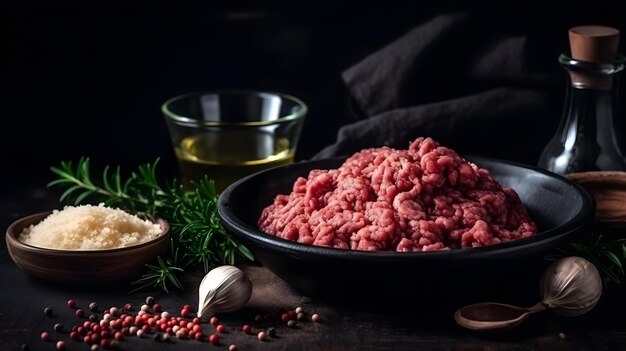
x,y
261,336
74,335
80,313
156,307
199,336
119,336
146,329
220,328
232,347
214,321
184,312
187,306
195,320
61,345
45,336
285,317
105,343
127,307
316,317
195,327
246,329
71,303
214,339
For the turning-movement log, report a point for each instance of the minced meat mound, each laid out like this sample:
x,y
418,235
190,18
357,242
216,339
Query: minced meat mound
x,y
425,198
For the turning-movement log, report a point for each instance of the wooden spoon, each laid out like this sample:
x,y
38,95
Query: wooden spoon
x,y
491,316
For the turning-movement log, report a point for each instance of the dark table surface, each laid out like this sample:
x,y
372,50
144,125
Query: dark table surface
x,y
406,325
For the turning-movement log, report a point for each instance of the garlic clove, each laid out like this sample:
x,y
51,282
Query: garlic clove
x,y
223,289
571,286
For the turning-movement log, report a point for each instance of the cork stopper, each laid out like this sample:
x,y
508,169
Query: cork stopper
x,y
595,44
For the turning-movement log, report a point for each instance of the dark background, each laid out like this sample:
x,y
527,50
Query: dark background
x,y
81,78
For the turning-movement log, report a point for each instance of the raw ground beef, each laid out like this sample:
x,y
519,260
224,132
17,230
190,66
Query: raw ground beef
x,y
425,198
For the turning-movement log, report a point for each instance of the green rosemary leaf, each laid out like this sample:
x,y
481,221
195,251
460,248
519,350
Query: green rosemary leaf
x,y
69,191
83,196
613,257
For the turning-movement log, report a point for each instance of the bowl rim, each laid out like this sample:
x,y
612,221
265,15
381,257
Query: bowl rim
x,y
582,218
12,240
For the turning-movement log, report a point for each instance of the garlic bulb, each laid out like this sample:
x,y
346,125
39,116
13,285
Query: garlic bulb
x,y
571,286
223,289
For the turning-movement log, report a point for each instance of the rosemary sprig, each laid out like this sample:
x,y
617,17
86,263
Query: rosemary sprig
x,y
608,255
197,237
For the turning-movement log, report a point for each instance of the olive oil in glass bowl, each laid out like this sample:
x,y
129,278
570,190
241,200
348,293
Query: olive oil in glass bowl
x,y
229,135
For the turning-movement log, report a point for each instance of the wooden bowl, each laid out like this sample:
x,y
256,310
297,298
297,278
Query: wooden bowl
x,y
81,266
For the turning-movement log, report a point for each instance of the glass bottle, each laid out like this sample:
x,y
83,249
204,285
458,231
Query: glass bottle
x,y
589,146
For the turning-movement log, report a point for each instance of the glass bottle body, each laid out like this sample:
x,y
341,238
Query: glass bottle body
x,y
590,137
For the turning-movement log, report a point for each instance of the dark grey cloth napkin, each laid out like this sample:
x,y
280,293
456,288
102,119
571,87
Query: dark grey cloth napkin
x,y
478,86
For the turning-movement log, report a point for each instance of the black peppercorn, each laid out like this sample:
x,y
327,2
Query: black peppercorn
x,y
58,327
271,332
157,337
291,323
93,306
149,300
25,347
93,318
47,311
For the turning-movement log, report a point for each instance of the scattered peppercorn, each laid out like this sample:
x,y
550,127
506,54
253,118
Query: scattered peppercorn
x,y
271,332
156,307
214,339
284,317
299,310
25,347
246,328
291,323
45,336
80,313
261,336
184,312
93,307
316,318
93,318
47,311
300,316
258,318
71,303
214,321
61,345
562,335
149,300
58,327
232,347
95,347
220,328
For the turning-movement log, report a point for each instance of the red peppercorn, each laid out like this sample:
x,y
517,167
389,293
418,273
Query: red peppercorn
x,y
105,343
220,328
74,336
199,336
291,314
87,339
195,320
261,336
232,347
81,330
187,306
96,328
87,325
45,336
316,318
189,325
95,338
285,317
60,345
214,339
246,328
214,321
196,328
146,329
71,303
105,334
191,334
80,313
184,312
119,336
127,307
156,307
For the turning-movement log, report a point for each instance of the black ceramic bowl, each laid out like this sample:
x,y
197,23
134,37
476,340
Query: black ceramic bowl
x,y
561,209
